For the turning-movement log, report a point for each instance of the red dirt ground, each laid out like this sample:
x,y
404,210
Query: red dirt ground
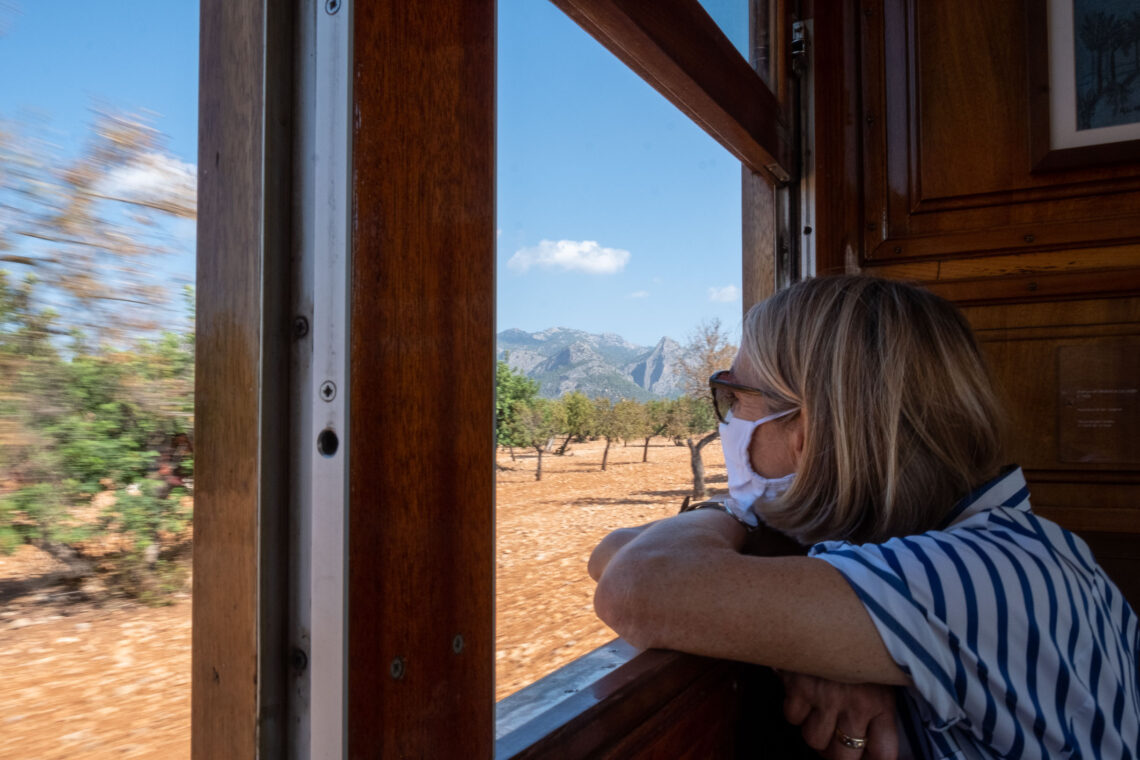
x,y
93,680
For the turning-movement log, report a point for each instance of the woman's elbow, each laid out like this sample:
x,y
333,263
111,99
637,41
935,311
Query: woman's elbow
x,y
620,602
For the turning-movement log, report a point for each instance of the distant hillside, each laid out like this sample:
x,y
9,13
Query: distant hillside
x,y
563,360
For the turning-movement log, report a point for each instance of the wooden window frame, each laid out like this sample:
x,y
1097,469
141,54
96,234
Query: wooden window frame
x,y
248,663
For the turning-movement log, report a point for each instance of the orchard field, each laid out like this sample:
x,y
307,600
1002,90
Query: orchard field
x,y
88,674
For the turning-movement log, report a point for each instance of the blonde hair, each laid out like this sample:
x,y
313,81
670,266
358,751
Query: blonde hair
x,y
901,417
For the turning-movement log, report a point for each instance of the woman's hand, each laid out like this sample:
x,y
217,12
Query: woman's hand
x,y
860,711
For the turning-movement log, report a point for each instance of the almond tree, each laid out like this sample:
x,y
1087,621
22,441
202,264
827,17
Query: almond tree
x,y
654,422
708,350
535,423
613,421
579,418
91,229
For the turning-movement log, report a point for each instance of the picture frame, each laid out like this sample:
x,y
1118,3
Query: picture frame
x,y
1084,83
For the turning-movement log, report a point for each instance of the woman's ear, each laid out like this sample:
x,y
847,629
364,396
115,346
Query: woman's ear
x,y
798,433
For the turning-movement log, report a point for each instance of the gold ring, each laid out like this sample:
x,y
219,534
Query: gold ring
x,y
851,742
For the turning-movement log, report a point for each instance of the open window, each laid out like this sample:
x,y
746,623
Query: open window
x,y
397,100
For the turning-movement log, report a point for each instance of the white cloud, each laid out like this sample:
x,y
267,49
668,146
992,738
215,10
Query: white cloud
x,y
639,294
570,255
727,294
155,179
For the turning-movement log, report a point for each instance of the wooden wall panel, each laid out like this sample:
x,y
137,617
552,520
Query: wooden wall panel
x,y
839,221
947,149
421,454
1070,373
230,198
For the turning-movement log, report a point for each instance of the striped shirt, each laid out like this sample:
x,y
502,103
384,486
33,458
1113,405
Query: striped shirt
x,y
1016,641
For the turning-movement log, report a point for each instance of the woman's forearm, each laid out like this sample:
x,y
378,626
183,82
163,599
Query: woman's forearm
x,y
684,584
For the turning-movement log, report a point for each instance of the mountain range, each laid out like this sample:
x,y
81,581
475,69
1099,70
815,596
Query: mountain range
x,y
564,360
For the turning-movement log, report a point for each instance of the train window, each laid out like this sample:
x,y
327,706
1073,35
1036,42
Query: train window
x,y
98,153
619,247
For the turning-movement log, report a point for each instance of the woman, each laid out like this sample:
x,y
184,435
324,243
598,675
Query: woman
x,y
858,418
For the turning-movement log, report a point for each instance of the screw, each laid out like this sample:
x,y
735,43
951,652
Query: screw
x,y
298,659
300,327
397,668
871,226
898,249
870,119
332,6
328,390
1029,238
807,230
457,643
1032,286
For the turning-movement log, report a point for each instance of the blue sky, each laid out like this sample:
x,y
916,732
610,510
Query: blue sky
x,y
615,212
590,153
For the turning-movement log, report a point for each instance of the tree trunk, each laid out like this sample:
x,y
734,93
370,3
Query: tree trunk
x,y
645,451
698,463
512,450
562,448
606,454
538,470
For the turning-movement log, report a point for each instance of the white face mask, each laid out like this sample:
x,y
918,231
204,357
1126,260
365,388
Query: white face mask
x,y
745,487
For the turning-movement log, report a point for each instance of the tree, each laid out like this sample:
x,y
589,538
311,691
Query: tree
x,y
613,421
708,350
96,383
92,420
535,423
92,228
1096,33
654,422
513,390
1132,32
579,417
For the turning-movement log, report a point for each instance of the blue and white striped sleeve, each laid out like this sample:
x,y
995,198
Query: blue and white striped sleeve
x,y
912,587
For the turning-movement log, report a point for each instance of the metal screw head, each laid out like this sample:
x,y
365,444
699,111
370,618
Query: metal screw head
x,y
397,668
298,659
457,643
300,327
332,6
1029,238
328,390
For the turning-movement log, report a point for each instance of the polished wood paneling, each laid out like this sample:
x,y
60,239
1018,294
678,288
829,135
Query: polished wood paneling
x,y
679,50
421,453
1044,356
838,226
946,142
224,720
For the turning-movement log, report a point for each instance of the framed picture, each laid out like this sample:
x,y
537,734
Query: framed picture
x,y
1084,72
